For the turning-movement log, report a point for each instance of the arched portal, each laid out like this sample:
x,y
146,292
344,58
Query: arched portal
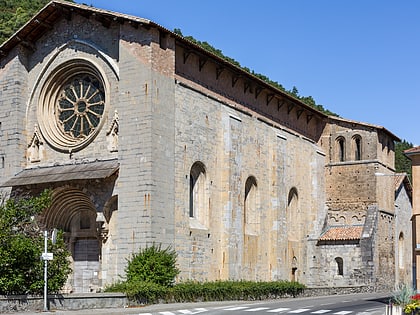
x,y
74,212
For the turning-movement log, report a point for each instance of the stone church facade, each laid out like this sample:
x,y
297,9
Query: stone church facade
x,y
144,137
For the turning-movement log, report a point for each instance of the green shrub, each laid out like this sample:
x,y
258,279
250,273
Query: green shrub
x,y
148,292
153,264
150,278
403,295
141,291
149,274
233,290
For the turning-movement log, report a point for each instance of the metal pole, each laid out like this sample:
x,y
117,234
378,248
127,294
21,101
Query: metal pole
x,y
45,271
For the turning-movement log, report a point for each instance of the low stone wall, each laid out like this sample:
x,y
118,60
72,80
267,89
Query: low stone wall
x,y
337,291
24,303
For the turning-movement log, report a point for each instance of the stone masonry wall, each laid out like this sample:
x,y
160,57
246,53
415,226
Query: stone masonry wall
x,y
246,93
145,213
13,91
403,237
79,43
234,146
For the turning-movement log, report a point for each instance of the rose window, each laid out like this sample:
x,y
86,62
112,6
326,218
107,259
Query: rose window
x,y
80,106
72,105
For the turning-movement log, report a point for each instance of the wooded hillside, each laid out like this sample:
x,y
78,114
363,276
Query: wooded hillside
x,y
15,13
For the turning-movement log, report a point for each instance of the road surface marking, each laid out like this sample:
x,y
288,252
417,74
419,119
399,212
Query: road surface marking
x,y
194,311
300,310
321,312
282,309
199,310
257,309
237,308
343,313
166,313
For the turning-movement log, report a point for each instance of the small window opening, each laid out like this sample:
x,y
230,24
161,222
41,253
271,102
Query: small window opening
x,y
339,262
358,149
250,200
341,150
163,40
401,251
197,174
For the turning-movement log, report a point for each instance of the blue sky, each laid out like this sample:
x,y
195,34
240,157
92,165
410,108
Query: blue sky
x,y
358,58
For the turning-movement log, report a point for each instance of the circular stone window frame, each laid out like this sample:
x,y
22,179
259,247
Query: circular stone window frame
x,y
47,112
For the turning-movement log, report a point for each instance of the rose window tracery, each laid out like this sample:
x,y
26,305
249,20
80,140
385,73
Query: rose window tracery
x,y
72,104
81,106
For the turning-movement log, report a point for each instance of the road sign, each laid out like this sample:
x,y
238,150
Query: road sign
x,y
47,256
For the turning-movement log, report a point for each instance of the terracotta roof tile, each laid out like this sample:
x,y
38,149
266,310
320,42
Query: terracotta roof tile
x,y
342,233
399,179
412,150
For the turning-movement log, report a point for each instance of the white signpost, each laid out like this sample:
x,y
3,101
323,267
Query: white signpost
x,y
46,256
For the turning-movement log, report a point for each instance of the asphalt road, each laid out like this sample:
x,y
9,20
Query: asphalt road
x,y
353,304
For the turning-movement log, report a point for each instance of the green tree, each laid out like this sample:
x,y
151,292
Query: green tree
x,y
21,245
402,163
15,13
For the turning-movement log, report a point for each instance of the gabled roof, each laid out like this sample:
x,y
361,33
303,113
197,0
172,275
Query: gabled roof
x,y
393,136
412,151
401,179
44,20
342,233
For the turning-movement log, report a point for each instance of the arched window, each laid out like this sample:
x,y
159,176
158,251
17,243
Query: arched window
x,y
293,196
251,213
295,233
401,251
293,215
341,149
357,147
355,220
339,262
198,204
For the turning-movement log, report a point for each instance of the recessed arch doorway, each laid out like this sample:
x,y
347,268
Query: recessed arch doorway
x,y
73,212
